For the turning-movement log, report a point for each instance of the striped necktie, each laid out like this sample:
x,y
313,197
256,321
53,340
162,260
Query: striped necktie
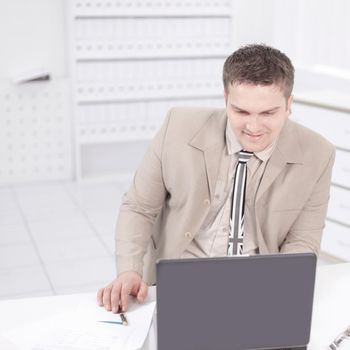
x,y
236,233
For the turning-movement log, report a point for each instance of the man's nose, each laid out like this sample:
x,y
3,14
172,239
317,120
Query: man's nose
x,y
253,123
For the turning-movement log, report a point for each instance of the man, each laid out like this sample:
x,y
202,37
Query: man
x,y
180,201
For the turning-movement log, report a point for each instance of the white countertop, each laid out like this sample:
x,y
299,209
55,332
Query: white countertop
x,y
331,311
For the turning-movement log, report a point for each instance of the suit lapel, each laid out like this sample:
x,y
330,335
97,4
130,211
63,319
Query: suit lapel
x,y
288,150
273,168
211,141
212,157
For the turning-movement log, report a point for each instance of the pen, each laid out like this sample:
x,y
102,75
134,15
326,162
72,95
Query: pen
x,y
339,339
124,320
111,322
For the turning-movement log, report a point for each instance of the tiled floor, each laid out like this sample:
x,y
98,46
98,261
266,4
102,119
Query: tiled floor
x,y
57,238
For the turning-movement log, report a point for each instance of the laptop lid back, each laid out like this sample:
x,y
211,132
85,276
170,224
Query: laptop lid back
x,y
235,303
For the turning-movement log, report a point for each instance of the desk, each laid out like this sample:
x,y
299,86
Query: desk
x,y
331,312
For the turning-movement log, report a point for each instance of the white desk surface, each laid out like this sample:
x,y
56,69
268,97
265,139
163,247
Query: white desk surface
x,y
331,311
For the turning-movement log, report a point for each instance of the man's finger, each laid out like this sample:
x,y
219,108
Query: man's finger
x,y
124,297
115,298
142,294
107,298
100,297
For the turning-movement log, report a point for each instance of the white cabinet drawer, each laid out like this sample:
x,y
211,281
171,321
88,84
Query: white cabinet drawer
x,y
333,125
339,205
341,169
336,241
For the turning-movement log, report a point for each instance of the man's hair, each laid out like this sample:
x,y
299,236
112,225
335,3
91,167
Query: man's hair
x,y
259,65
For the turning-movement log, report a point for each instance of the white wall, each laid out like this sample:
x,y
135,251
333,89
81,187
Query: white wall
x,y
35,118
32,35
253,21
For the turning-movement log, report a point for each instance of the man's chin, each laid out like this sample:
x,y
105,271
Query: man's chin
x,y
254,147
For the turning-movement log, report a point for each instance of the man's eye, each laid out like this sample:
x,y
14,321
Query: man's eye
x,y
243,112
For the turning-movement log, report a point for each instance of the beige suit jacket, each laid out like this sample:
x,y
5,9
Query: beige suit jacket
x,y
172,189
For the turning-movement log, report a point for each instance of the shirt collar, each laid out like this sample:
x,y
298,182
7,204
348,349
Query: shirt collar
x,y
233,145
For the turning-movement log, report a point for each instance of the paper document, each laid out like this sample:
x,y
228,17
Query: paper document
x,y
82,329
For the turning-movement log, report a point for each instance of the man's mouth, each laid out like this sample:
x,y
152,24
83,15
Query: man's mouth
x,y
253,136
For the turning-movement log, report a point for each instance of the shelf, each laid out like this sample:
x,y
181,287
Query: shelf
x,y
133,61
133,8
139,56
327,99
115,159
145,15
148,98
111,177
102,139
336,241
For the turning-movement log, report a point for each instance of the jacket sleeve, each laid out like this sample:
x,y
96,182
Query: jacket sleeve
x,y
140,207
306,232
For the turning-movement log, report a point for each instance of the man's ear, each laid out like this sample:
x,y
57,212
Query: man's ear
x,y
289,104
225,96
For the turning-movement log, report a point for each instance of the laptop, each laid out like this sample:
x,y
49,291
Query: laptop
x,y
235,303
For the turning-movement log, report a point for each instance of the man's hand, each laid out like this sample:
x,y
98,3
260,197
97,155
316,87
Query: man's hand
x,y
115,295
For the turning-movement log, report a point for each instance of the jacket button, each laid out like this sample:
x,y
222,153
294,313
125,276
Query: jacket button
x,y
188,235
206,201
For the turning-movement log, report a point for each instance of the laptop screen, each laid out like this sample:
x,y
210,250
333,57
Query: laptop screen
x,y
235,303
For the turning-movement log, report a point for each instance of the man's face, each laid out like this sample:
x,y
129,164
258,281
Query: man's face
x,y
256,114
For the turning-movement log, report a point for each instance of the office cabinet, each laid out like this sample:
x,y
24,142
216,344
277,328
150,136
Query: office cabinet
x,y
131,61
336,240
339,205
341,169
35,131
334,124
